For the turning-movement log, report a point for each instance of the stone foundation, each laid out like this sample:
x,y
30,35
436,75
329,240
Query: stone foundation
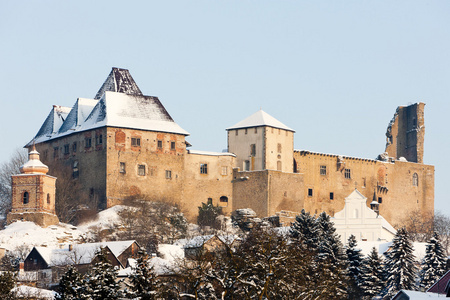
x,y
41,219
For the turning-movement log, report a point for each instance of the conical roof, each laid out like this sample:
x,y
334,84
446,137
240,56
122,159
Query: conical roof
x,y
33,165
120,81
260,118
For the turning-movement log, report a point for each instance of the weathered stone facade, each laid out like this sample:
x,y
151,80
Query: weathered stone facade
x,y
113,156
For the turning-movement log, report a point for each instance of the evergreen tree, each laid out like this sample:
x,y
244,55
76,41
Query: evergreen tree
x,y
7,283
101,282
372,275
306,230
144,283
207,215
355,262
433,264
69,285
331,262
399,267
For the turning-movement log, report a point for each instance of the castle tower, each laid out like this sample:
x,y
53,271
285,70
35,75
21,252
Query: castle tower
x,y
33,193
261,142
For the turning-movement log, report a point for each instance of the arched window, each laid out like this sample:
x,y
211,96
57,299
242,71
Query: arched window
x,y
224,199
415,179
26,198
48,198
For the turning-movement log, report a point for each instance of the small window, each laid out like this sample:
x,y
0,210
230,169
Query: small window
x,y
99,139
122,168
172,145
279,165
66,149
168,174
160,144
246,131
237,131
223,199
225,170
256,129
253,150
141,170
74,147
247,165
135,142
347,174
48,198
210,201
380,200
331,196
75,172
364,181
88,142
310,192
203,168
279,148
415,179
26,198
323,170
55,152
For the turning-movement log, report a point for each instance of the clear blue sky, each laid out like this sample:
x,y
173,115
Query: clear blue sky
x,y
334,71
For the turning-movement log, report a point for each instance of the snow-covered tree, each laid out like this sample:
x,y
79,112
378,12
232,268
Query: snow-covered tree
x,y
101,282
69,285
433,264
400,267
144,283
355,262
305,229
372,275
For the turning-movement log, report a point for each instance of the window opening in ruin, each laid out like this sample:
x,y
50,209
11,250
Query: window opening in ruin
x,y
48,198
310,192
26,198
141,170
253,150
380,200
225,170
75,172
237,131
74,147
279,148
364,181
135,142
210,201
347,174
203,168
66,149
160,144
224,199
331,196
99,139
278,165
172,145
246,130
256,129
323,170
55,152
247,165
88,142
168,174
122,168
415,179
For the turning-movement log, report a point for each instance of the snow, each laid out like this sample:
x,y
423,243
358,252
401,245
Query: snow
x,y
210,153
381,247
28,291
171,253
260,118
420,295
337,155
79,113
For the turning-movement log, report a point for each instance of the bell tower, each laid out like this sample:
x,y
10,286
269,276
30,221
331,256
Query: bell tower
x,y
33,193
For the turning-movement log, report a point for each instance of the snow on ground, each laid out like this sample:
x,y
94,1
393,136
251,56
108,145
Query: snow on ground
x,y
381,247
28,292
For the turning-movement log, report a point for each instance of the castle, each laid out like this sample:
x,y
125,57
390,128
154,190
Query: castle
x,y
124,143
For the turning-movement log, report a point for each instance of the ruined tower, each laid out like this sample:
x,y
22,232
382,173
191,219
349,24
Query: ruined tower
x,y
33,193
405,133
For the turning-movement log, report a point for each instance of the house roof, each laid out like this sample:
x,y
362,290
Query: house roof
x,y
54,120
121,81
416,295
440,285
81,253
260,118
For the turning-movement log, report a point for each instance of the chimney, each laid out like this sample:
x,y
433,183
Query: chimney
x,y
21,267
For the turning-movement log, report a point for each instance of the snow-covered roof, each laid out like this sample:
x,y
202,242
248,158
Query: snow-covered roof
x,y
81,253
54,120
197,152
382,247
121,81
304,151
197,241
79,113
260,118
28,292
417,295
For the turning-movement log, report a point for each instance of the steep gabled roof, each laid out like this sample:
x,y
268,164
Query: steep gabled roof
x,y
260,118
54,120
119,80
78,114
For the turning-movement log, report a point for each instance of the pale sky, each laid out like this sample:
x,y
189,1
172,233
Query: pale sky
x,y
335,71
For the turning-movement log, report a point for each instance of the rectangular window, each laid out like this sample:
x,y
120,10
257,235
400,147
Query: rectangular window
x,y
224,170
347,174
172,145
323,170
122,168
331,196
246,131
210,201
253,150
74,147
380,200
75,172
364,182
160,145
55,152
135,142
310,192
141,170
279,148
237,131
99,139
247,165
203,168
256,129
66,149
168,174
88,142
